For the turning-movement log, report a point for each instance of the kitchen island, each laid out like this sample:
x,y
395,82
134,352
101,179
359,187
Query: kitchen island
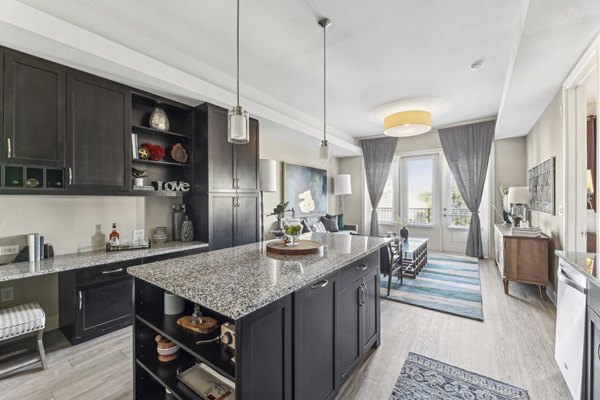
x,y
302,323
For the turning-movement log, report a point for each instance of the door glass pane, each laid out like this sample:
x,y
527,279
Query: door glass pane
x,y
418,175
458,213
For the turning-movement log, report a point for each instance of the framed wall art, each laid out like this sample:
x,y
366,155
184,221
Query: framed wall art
x,y
305,188
541,187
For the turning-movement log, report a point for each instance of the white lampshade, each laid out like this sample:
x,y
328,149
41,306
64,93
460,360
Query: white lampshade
x,y
267,175
342,184
518,195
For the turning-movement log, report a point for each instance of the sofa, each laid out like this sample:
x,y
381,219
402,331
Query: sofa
x,y
349,229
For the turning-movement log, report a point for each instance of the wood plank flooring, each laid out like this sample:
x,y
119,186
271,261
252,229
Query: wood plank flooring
x,y
514,344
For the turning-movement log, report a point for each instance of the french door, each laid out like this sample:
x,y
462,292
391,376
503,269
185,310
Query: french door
x,y
456,217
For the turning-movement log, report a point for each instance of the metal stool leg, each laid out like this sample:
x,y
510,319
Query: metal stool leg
x,y
41,350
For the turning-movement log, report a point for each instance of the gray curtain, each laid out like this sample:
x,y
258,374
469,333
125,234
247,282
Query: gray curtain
x,y
378,155
467,149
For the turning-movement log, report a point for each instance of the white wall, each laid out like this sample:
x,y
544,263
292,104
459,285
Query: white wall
x,y
273,146
68,222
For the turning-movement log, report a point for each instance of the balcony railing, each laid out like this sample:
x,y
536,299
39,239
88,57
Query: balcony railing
x,y
415,215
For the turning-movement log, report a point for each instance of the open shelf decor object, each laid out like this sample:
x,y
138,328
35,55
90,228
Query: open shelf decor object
x,y
541,187
305,188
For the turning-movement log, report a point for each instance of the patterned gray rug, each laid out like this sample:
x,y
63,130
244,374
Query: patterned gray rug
x,y
423,378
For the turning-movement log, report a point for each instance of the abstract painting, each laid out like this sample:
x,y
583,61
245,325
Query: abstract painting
x,y
541,187
305,188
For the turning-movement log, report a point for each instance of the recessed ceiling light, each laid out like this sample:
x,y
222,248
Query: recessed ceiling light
x,y
475,66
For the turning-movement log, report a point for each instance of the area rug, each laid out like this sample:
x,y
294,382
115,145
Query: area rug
x,y
447,283
424,378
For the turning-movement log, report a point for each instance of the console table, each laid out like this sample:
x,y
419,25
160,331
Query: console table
x,y
521,258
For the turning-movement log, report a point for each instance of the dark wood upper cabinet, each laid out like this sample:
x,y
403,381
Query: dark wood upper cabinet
x,y
221,170
34,111
246,158
98,139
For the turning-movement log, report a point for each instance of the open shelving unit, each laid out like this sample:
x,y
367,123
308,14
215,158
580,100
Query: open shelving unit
x,y
154,375
181,130
15,177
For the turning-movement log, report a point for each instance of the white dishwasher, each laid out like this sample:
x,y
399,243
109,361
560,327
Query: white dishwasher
x,y
570,327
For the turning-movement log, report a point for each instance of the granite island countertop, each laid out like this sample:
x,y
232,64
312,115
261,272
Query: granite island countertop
x,y
237,281
582,262
67,262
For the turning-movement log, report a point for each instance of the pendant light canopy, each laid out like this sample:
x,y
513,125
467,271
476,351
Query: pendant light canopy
x,y
238,120
324,149
407,123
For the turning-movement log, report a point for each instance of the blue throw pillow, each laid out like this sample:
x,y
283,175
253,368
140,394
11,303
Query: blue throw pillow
x,y
339,218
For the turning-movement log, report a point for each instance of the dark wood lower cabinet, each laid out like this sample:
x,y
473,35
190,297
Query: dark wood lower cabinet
x,y
371,322
315,337
349,339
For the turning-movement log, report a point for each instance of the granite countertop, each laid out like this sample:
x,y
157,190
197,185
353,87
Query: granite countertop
x,y
69,262
237,281
583,262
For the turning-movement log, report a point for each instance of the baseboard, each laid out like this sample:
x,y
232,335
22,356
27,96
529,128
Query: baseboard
x,y
551,293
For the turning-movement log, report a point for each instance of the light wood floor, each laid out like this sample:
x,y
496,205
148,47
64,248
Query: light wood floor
x,y
515,344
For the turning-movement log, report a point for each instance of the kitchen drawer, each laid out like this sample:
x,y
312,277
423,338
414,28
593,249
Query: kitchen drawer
x,y
104,273
358,269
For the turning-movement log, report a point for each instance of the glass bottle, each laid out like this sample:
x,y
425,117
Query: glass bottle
x,y
113,238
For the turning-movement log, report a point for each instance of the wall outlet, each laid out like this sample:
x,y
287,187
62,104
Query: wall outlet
x,y
7,294
9,250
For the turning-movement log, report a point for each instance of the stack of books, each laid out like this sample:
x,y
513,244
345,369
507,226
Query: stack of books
x,y
530,231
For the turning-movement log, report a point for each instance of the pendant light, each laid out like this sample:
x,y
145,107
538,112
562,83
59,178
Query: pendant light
x,y
324,149
238,120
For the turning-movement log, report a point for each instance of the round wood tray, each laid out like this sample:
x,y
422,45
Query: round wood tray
x,y
304,247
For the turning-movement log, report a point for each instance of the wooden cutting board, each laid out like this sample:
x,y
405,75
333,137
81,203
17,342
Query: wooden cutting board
x,y
304,247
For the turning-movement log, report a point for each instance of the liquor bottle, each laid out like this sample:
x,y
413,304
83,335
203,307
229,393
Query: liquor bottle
x,y
113,238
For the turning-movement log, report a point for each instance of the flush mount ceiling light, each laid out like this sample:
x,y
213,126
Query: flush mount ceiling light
x,y
238,120
407,123
324,149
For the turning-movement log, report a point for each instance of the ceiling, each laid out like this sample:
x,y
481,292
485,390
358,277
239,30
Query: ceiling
x,y
379,52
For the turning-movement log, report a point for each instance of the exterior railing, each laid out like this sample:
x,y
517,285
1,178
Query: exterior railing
x,y
415,215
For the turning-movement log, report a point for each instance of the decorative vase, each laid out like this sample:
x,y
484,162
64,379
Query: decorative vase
x,y
404,233
159,119
138,181
187,230
293,229
160,235
176,220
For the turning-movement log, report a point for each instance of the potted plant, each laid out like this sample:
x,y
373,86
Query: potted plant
x,y
279,213
138,176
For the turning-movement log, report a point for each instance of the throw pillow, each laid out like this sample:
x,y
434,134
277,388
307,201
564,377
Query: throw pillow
x,y
330,224
305,225
340,220
318,227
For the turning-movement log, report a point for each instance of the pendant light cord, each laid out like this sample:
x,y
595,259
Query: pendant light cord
x,y
325,83
238,53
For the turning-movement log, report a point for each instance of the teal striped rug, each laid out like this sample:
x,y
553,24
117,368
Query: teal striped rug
x,y
448,283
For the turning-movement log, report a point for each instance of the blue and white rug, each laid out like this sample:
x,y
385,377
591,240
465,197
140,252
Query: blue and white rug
x,y
424,378
448,283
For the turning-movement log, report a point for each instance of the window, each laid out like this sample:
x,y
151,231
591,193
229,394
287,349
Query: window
x,y
458,213
418,175
385,210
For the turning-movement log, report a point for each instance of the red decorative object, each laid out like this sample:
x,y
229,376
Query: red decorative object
x,y
157,152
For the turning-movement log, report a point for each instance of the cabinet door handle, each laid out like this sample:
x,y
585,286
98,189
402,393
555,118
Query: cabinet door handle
x,y
70,176
112,271
362,267
9,148
366,292
80,300
598,351
361,298
320,284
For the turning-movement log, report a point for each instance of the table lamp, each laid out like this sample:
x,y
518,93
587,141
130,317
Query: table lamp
x,y
518,198
342,185
267,176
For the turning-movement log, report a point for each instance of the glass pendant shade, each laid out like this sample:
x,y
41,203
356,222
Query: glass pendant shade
x,y
238,126
324,152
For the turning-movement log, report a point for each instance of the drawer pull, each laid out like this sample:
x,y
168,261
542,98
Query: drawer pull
x,y
320,284
362,267
112,271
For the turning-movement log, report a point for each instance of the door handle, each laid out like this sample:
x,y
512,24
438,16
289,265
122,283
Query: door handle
x,y
362,267
80,300
113,271
8,148
569,282
320,284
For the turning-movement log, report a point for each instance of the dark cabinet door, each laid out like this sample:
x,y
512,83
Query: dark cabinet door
x,y
315,351
349,339
97,134
220,153
593,356
34,111
370,308
246,161
103,306
246,219
222,221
